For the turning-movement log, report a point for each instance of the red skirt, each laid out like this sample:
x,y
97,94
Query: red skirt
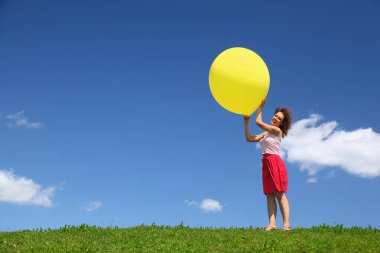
x,y
275,176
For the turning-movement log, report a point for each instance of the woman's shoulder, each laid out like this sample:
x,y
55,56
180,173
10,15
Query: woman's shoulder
x,y
263,135
275,135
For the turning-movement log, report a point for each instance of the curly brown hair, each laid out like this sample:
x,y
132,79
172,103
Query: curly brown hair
x,y
287,122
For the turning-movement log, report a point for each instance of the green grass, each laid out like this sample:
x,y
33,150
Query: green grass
x,y
154,238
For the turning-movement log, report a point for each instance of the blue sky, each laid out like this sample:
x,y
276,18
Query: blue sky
x,y
106,116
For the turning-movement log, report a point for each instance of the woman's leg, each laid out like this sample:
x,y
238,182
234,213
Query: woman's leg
x,y
272,211
284,207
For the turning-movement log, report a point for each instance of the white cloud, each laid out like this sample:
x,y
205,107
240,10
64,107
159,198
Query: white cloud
x,y
207,205
191,203
210,205
92,206
20,120
317,146
312,180
23,191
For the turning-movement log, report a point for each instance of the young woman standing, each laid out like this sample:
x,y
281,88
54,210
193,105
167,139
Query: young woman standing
x,y
274,174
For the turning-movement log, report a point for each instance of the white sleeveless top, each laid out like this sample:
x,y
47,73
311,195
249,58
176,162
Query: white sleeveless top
x,y
270,144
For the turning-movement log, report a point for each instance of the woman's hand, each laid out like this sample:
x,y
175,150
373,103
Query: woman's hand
x,y
263,103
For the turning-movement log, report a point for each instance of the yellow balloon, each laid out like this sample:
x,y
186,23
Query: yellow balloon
x,y
239,80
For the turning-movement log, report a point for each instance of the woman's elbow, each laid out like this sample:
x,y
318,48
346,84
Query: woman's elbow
x,y
249,139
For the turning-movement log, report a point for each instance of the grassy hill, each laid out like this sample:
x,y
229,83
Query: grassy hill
x,y
154,238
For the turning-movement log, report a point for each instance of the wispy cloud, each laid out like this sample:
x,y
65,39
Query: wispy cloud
x,y
92,206
23,191
20,120
191,203
312,180
207,205
315,146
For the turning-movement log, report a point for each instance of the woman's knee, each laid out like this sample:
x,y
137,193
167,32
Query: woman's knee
x,y
279,195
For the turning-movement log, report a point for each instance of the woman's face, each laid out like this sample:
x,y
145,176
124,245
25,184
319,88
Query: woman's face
x,y
277,119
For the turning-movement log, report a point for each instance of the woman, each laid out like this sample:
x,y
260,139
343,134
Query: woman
x,y
274,174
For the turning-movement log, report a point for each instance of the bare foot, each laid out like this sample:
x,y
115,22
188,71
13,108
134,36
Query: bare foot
x,y
270,227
